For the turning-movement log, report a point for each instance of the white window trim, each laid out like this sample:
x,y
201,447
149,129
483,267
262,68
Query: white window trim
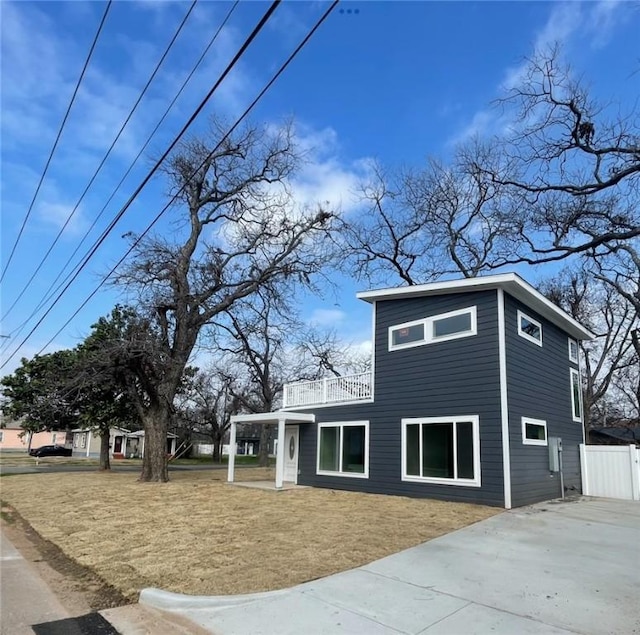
x,y
535,422
429,337
460,482
521,333
341,425
574,373
571,358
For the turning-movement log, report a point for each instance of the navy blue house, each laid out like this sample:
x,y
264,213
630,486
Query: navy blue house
x,y
471,383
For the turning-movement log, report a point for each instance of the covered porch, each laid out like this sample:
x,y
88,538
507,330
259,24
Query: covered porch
x,y
287,449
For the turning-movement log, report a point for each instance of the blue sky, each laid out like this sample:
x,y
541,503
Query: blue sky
x,y
391,81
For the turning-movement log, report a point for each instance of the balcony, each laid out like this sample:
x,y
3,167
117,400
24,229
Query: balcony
x,y
329,390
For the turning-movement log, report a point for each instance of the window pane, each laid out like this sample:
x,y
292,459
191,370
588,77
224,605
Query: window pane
x,y
464,430
329,449
575,387
437,450
535,432
353,449
407,334
413,450
573,351
451,325
528,327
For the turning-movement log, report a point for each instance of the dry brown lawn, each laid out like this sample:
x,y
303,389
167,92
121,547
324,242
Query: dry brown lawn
x,y
201,536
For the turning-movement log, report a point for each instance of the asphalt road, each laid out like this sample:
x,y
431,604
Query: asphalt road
x,y
57,468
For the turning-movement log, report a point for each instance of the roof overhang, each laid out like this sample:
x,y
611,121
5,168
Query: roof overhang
x,y
511,283
275,417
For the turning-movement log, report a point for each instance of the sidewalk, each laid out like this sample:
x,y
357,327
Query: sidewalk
x,y
550,569
24,597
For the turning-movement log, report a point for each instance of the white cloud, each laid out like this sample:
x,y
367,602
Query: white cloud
x,y
327,317
57,213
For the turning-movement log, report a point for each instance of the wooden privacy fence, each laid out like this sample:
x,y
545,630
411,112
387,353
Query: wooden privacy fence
x,y
610,471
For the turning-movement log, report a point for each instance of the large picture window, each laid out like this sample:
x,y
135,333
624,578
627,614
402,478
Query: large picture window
x,y
576,396
438,328
343,449
441,450
529,328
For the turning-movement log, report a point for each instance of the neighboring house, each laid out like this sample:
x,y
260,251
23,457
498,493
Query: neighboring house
x,y
472,382
613,435
13,437
123,444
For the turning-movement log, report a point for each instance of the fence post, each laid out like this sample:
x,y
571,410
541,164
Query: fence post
x,y
584,473
634,460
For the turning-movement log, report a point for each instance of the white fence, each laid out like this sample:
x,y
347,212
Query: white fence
x,y
611,471
328,390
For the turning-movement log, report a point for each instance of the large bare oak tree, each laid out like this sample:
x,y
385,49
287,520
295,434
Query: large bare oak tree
x,y
237,230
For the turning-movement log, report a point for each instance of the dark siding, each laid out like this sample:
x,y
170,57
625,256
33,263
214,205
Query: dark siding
x,y
458,377
538,386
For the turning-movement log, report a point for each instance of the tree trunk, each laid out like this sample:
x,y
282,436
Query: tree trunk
x,y
263,451
105,437
155,466
217,449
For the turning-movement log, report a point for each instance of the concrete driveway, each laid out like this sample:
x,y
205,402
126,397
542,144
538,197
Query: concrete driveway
x,y
556,567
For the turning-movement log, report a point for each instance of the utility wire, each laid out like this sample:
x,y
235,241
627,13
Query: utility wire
x,y
52,290
104,160
265,18
55,144
282,68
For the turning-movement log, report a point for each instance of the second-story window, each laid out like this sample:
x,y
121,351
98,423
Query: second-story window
x,y
408,334
438,328
573,351
529,328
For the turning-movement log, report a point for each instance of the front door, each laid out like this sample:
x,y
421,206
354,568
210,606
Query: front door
x,y
291,454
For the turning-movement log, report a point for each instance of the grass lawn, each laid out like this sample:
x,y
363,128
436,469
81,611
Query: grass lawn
x,y
201,536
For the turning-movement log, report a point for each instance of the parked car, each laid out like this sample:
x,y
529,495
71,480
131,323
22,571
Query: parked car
x,y
51,450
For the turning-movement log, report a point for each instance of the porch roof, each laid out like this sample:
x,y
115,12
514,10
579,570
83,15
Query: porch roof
x,y
274,417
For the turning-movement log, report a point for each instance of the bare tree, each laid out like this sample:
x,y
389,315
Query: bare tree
x,y
207,405
427,223
561,180
608,359
254,337
238,232
618,267
572,163
321,352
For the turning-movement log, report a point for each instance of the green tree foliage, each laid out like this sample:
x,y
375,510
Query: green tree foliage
x,y
36,393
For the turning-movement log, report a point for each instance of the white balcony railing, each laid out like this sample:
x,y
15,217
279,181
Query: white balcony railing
x,y
329,390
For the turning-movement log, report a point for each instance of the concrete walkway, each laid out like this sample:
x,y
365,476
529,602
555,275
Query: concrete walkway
x,y
551,568
25,599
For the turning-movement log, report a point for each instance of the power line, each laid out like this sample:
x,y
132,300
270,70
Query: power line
x,y
265,18
282,68
52,290
55,144
104,159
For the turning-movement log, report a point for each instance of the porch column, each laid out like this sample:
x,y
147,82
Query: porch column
x,y
232,452
280,455
88,442
124,446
